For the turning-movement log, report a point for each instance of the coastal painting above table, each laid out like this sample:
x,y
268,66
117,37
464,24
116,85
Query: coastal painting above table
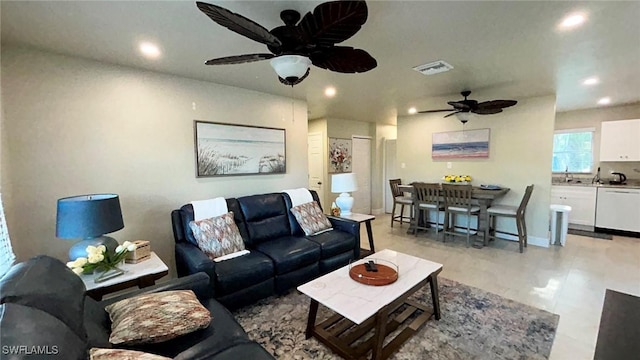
x,y
460,144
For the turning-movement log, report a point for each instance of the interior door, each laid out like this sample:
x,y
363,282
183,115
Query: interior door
x,y
316,164
362,168
390,172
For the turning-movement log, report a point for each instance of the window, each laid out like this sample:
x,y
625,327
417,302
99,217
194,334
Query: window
x,y
573,151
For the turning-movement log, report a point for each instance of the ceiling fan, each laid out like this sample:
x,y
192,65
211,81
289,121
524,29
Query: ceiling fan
x,y
463,108
301,42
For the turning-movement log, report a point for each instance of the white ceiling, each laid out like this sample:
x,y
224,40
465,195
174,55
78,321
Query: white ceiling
x,y
504,49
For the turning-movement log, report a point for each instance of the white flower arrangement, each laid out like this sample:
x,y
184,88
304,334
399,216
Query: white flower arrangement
x,y
99,258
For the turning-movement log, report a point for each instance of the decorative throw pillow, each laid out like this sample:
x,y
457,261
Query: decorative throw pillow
x,y
157,317
217,236
311,218
121,354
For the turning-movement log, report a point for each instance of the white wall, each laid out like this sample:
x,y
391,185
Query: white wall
x,y
594,118
521,145
75,126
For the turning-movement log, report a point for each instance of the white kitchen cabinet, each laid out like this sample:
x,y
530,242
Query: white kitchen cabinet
x,y
582,200
619,140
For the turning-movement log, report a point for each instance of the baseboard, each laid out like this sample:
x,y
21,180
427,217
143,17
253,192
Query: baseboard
x,y
377,211
531,240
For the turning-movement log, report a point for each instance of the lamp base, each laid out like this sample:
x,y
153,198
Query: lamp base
x,y
79,249
345,203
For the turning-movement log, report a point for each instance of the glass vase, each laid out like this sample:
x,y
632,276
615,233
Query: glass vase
x,y
105,273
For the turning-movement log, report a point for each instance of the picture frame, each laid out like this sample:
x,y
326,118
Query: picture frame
x,y
467,144
223,149
339,155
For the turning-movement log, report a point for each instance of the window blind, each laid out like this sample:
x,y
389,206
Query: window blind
x,y
7,257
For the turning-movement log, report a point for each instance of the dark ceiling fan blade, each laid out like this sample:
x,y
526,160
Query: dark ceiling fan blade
x,y
343,59
486,111
459,105
333,22
433,111
453,113
239,24
239,59
496,104
287,82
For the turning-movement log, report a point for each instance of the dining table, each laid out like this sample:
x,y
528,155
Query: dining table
x,y
483,197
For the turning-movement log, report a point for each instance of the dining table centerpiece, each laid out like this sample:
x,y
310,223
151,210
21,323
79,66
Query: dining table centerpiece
x,y
100,262
456,179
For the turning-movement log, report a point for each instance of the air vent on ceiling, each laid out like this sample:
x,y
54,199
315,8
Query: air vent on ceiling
x,y
433,68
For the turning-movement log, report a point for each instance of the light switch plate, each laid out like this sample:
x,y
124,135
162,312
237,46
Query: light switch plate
x,y
449,165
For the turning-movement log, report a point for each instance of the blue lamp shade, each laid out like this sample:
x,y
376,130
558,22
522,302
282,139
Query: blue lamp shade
x,y
89,217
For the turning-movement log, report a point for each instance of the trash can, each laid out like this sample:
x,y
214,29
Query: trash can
x,y
559,224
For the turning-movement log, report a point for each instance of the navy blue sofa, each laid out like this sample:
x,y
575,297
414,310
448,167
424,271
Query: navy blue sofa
x,y
281,257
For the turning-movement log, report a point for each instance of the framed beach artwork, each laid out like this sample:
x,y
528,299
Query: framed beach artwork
x,y
468,144
339,155
229,149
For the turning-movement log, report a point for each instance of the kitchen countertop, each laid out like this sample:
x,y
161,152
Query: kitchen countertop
x,y
631,184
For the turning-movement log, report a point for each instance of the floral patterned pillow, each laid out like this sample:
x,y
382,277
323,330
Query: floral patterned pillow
x,y
157,317
311,218
217,236
121,354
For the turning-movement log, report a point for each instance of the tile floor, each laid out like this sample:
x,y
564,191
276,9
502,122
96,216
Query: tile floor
x,y
569,281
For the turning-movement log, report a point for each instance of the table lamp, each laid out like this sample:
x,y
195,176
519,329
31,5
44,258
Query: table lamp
x,y
344,183
89,217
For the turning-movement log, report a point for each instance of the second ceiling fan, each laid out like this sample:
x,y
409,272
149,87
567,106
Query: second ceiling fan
x,y
467,106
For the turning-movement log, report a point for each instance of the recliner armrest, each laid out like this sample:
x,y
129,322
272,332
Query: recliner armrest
x,y
199,283
190,260
351,227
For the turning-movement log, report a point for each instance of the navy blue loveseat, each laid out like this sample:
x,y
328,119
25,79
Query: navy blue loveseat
x,y
281,257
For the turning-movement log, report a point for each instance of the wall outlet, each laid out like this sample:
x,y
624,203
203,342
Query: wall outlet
x,y
449,165
403,165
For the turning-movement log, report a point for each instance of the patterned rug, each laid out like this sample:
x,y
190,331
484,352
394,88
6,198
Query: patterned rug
x,y
475,324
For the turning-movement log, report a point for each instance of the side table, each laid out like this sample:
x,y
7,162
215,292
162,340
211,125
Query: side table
x,y
360,218
142,274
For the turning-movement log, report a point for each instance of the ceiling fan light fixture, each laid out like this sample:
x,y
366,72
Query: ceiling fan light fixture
x,y
463,116
290,67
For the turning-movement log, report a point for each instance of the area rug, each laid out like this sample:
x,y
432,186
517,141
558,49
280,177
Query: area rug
x,y
592,234
619,331
475,324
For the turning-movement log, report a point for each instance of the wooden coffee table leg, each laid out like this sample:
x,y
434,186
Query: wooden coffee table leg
x,y
311,321
380,332
435,296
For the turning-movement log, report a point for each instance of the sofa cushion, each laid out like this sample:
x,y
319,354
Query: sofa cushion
x,y
242,272
310,218
290,253
334,242
157,317
186,216
247,350
222,332
266,217
36,330
217,236
46,283
97,324
122,354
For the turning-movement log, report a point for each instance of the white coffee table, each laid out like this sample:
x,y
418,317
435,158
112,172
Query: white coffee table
x,y
361,308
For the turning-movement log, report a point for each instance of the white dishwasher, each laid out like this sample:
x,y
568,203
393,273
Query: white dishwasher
x,y
618,209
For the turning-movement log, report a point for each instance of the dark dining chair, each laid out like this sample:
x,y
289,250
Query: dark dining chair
x,y
457,201
426,199
514,212
399,198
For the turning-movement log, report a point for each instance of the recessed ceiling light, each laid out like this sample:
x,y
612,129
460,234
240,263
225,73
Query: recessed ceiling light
x,y
330,91
591,81
149,50
412,110
604,101
572,21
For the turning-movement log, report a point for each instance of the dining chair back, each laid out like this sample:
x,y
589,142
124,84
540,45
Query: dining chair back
x,y
426,198
516,212
399,198
457,201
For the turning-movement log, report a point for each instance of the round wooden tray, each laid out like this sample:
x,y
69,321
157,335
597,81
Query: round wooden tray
x,y
384,276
